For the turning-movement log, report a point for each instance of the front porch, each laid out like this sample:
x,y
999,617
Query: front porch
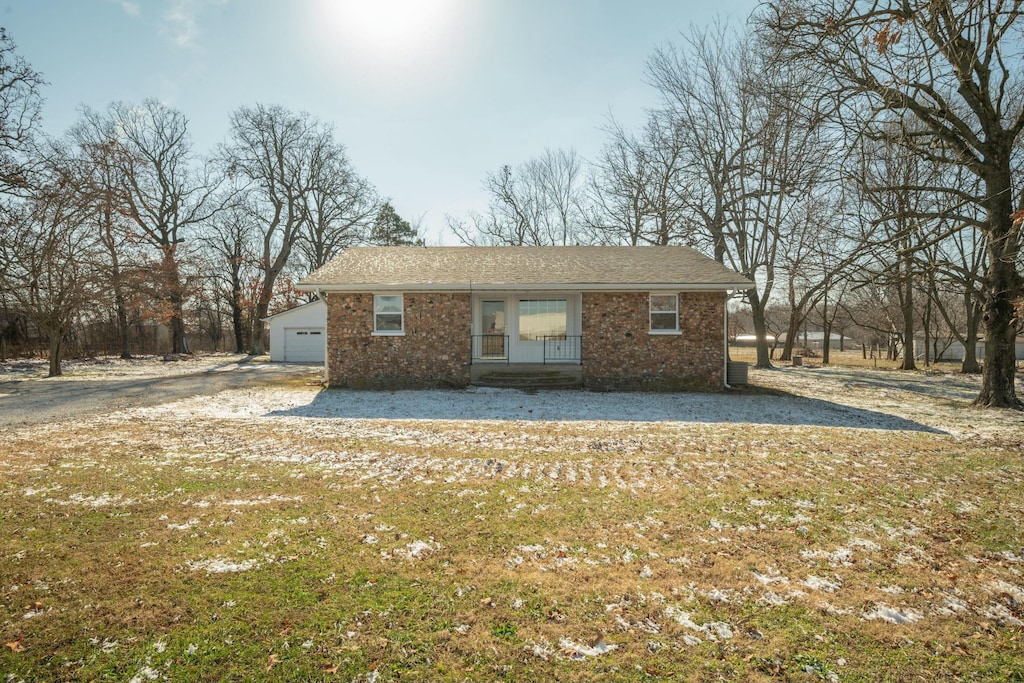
x,y
559,366
514,328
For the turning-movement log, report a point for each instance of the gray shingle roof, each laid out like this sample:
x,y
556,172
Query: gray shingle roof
x,y
481,268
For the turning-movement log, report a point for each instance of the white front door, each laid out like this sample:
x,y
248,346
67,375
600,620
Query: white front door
x,y
493,340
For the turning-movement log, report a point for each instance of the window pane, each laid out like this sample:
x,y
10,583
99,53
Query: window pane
x,y
539,319
388,304
492,317
663,303
389,322
663,321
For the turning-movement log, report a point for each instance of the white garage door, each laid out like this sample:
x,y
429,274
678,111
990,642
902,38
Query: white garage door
x,y
304,344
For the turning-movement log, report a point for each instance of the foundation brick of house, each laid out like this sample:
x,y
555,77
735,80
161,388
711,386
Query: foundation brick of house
x,y
433,352
620,354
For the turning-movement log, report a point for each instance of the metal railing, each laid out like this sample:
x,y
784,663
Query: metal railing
x,y
562,349
490,347
555,348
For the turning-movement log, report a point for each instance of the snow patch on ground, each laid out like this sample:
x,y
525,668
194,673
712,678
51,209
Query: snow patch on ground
x,y
819,584
574,650
712,630
893,615
219,565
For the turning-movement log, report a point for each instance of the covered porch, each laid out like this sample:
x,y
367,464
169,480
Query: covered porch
x,y
526,328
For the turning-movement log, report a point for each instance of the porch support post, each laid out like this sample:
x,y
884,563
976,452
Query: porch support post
x,y
725,341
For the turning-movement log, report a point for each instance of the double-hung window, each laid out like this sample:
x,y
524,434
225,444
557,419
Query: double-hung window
x,y
388,314
664,314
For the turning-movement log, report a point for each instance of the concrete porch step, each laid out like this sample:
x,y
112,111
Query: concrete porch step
x,y
528,376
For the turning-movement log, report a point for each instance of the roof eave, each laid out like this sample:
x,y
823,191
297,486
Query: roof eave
x,y
293,309
527,287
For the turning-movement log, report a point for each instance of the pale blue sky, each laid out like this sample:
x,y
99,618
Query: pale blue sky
x,y
427,95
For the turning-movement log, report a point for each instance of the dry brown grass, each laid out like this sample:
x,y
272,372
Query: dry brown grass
x,y
444,550
852,359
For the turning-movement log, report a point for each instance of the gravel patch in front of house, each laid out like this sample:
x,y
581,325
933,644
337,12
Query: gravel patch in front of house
x,y
113,367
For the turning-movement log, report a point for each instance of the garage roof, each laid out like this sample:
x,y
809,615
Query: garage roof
x,y
295,309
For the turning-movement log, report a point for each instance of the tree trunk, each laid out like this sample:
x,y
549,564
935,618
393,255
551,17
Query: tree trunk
x,y
826,342
908,317
179,343
56,349
236,307
259,341
236,326
826,332
970,364
760,330
1003,290
794,322
997,389
926,329
176,297
122,323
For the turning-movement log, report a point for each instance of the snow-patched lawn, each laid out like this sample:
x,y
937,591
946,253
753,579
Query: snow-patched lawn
x,y
826,397
822,396
820,524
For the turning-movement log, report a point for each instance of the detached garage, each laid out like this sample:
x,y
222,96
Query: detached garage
x,y
299,335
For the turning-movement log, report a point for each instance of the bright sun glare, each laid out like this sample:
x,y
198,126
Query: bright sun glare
x,y
389,34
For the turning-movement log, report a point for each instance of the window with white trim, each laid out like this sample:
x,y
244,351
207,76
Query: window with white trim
x,y
388,316
664,313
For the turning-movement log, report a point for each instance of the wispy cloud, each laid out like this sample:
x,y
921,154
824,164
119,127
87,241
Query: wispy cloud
x,y
129,7
181,20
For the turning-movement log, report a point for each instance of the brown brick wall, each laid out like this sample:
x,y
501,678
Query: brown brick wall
x,y
620,354
433,352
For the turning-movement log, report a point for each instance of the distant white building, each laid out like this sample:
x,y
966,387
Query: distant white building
x,y
815,340
751,339
299,335
953,350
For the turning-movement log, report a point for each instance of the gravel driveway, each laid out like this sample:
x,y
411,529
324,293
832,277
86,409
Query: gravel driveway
x,y
37,400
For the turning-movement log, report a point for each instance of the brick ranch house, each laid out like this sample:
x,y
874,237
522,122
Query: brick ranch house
x,y
605,318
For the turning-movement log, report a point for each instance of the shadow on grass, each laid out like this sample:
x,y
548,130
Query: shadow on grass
x,y
25,401
755,406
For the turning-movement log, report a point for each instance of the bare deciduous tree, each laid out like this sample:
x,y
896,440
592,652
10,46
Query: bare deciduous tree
x,y
20,109
636,187
230,240
166,197
105,192
290,165
751,152
340,207
537,203
947,73
47,254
